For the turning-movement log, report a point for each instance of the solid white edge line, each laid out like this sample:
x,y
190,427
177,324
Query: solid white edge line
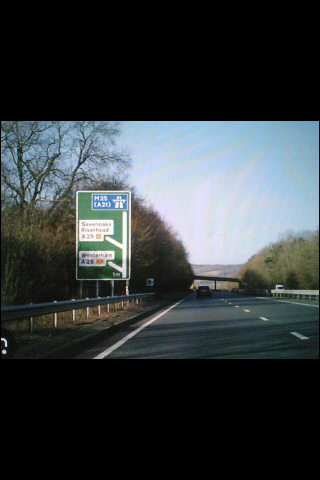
x,y
285,301
109,350
302,337
297,303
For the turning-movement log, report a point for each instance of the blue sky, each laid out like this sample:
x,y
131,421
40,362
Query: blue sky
x,y
227,189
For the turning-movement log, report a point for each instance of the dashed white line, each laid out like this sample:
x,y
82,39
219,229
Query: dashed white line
x,y
296,334
302,337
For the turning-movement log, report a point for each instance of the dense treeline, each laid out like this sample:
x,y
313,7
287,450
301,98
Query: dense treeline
x,y
38,261
43,164
293,262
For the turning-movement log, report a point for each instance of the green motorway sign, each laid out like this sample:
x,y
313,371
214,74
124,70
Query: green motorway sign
x,y
103,235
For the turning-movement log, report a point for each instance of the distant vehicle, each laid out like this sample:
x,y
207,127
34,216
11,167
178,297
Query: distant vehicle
x,y
279,287
203,291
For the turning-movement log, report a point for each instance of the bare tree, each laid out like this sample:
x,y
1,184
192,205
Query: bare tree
x,y
47,160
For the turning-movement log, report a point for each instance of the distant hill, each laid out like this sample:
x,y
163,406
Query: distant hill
x,y
216,270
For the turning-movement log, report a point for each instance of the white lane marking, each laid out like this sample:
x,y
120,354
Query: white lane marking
x,y
302,337
132,334
236,306
298,303
285,301
264,319
247,310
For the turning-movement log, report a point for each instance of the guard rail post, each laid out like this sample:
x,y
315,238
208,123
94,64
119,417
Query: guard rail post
x,y
88,312
55,317
73,312
31,323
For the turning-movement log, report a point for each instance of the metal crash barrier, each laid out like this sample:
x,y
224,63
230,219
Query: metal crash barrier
x,y
27,311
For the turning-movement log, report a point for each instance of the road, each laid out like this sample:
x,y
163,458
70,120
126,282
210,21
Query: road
x,y
227,325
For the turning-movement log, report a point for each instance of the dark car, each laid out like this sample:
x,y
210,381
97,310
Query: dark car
x,y
204,291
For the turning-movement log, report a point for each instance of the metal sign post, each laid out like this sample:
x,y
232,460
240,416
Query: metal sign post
x,y
103,235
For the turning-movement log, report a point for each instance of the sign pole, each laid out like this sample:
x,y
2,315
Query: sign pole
x,y
127,291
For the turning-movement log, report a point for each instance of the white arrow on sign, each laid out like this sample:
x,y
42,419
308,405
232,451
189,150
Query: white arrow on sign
x,y
123,247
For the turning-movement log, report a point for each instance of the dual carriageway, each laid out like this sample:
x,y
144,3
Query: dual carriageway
x,y
225,326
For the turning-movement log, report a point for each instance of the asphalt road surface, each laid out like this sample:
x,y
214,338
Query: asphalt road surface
x,y
224,326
